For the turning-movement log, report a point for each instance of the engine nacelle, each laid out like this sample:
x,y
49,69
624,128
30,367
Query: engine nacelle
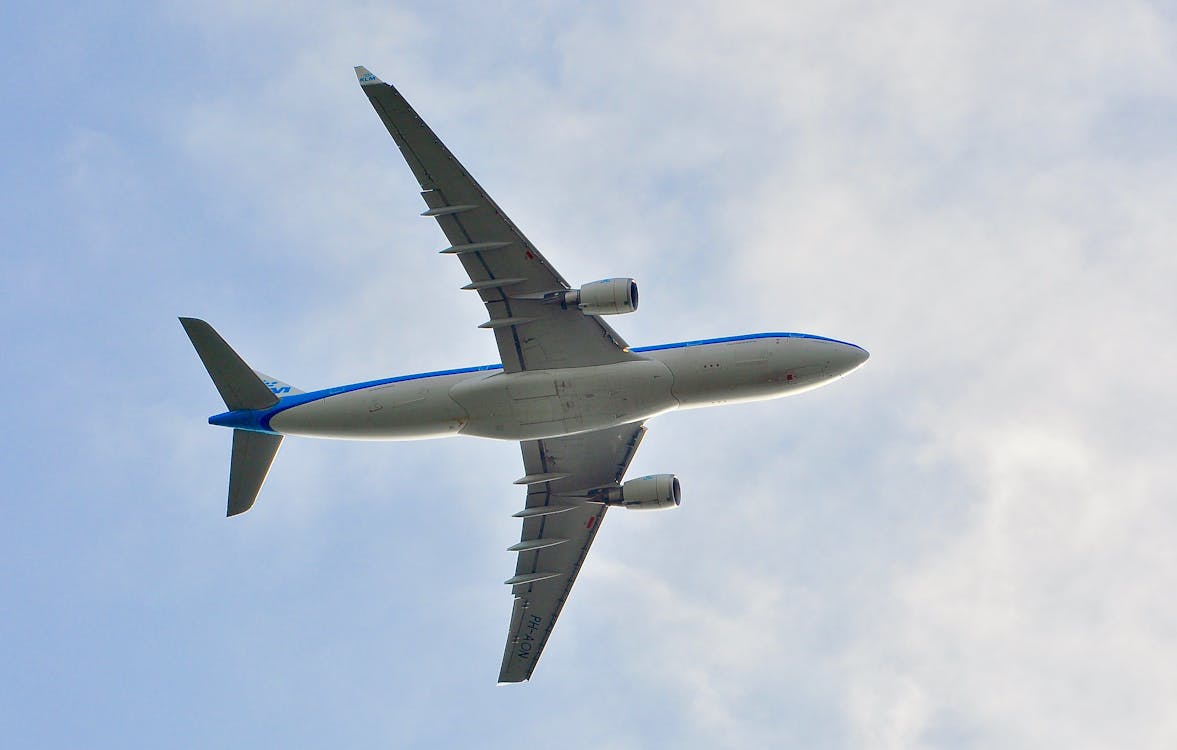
x,y
605,297
656,492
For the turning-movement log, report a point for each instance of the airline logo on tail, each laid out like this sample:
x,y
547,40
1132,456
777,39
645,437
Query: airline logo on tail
x,y
278,387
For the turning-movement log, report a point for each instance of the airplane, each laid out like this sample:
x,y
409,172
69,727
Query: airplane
x,y
569,388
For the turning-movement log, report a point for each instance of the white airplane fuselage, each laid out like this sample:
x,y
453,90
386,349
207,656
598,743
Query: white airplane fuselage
x,y
487,402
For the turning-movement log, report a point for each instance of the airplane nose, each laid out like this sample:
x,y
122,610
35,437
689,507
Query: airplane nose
x,y
861,354
850,357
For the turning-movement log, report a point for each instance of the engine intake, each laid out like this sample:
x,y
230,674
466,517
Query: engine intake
x,y
655,492
604,297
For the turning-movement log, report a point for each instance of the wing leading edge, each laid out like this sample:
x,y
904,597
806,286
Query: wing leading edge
x,y
505,269
558,530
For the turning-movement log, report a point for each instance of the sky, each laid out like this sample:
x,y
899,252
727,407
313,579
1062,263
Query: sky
x,y
965,544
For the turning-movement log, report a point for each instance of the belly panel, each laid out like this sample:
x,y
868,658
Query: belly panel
x,y
526,406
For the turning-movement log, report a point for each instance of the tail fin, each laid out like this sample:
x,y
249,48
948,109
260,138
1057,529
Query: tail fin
x,y
241,388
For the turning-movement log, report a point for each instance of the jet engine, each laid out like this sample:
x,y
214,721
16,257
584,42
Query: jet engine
x,y
656,492
604,297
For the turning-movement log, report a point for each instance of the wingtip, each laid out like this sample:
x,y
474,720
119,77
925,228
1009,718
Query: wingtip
x,y
192,325
366,77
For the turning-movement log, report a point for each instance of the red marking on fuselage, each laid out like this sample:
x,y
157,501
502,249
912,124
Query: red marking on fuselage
x,y
591,521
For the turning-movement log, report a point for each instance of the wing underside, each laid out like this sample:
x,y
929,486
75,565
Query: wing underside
x,y
505,269
558,529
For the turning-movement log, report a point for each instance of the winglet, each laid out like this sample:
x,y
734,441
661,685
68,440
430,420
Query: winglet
x,y
367,77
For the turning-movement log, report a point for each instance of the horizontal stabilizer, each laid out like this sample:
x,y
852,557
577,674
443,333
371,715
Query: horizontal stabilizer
x,y
253,453
238,385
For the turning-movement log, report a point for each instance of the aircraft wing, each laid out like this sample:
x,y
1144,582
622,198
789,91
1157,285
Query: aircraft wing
x,y
504,268
558,531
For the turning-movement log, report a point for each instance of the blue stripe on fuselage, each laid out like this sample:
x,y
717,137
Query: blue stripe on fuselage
x,y
258,420
745,337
